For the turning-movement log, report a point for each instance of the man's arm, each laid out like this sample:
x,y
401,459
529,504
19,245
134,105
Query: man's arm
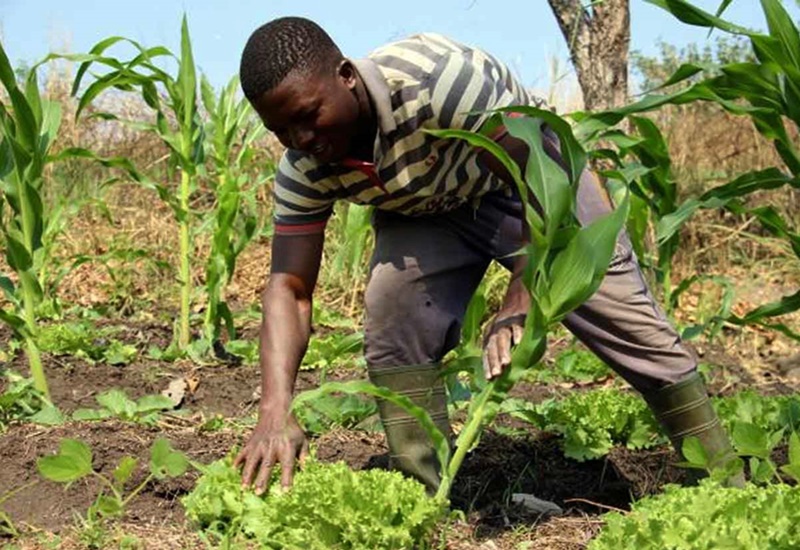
x,y
284,335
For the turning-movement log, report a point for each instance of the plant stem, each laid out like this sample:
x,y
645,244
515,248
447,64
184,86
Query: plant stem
x,y
185,272
103,479
34,358
136,491
37,370
481,414
466,438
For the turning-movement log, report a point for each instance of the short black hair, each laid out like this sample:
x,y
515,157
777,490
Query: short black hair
x,y
280,47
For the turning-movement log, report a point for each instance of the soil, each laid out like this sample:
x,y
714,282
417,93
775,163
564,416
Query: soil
x,y
529,462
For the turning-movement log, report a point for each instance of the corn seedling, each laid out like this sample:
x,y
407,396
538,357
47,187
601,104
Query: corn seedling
x,y
231,132
566,264
178,125
767,90
29,129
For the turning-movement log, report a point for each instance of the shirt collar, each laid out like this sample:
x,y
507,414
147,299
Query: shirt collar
x,y
378,91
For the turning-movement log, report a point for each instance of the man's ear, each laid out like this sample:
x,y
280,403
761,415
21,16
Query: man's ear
x,y
347,74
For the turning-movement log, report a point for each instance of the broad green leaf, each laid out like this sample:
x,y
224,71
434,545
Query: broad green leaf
x,y
694,452
166,461
150,403
794,449
94,55
124,470
49,415
578,271
571,151
745,184
750,440
187,76
108,505
17,254
91,414
117,402
113,162
25,121
785,305
792,470
692,15
548,181
687,70
782,27
15,322
73,461
571,276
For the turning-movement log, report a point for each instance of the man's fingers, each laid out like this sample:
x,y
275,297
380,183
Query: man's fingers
x,y
487,369
490,354
251,462
303,453
287,467
240,458
518,333
504,349
264,474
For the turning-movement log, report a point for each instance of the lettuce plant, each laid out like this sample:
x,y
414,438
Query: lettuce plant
x,y
329,506
705,517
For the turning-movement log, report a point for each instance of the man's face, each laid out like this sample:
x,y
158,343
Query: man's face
x,y
316,114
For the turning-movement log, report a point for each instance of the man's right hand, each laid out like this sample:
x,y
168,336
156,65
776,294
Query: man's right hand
x,y
274,440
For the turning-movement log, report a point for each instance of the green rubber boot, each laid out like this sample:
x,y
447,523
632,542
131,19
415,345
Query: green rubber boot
x,y
410,448
684,409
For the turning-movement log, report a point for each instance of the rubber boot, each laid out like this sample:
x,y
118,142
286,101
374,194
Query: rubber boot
x,y
684,409
410,448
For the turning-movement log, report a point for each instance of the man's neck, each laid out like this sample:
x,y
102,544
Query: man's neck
x,y
364,140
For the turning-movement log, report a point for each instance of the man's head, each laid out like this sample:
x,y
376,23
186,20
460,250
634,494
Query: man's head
x,y
302,87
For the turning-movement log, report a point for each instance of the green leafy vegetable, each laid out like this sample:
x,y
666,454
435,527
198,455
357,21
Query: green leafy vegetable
x,y
329,506
705,517
115,403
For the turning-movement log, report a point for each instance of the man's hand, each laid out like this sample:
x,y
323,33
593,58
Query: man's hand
x,y
504,333
270,443
506,330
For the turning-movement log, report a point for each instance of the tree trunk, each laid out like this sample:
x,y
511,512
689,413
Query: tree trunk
x,y
598,38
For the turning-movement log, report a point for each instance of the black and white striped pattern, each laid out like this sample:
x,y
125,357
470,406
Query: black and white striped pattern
x,y
424,82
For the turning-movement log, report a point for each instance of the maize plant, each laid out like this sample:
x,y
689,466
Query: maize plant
x,y
353,243
767,90
29,129
231,132
642,163
566,264
177,124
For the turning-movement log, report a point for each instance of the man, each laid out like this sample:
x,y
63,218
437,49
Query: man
x,y
353,129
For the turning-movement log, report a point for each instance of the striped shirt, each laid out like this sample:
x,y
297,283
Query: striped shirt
x,y
426,81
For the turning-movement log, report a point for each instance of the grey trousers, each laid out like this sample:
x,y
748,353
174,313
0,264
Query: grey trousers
x,y
425,269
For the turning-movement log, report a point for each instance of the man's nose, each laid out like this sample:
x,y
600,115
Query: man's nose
x,y
302,138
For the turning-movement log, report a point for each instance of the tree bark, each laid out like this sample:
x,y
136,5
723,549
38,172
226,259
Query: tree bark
x,y
598,38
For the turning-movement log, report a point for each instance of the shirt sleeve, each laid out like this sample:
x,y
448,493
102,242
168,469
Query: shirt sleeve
x,y
302,204
466,85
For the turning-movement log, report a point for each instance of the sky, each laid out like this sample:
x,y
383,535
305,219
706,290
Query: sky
x,y
523,34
